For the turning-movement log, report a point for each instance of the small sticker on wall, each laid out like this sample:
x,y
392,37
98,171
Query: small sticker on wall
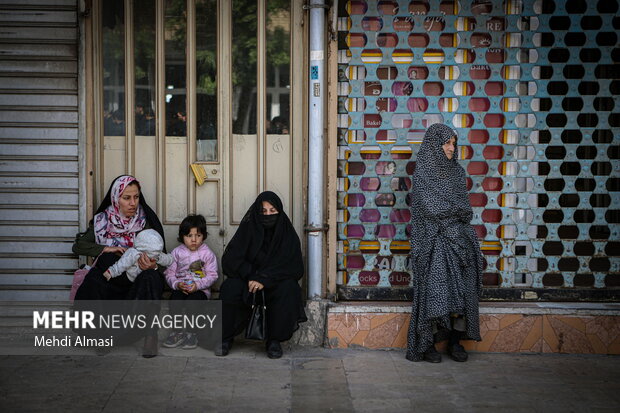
x,y
317,89
316,55
314,72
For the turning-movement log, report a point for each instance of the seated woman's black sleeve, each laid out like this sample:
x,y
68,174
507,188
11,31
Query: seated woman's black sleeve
x,y
236,267
267,282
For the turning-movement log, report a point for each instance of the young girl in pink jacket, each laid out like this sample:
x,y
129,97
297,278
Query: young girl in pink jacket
x,y
190,276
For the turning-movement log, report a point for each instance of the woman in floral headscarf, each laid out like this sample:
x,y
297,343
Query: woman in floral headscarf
x,y
445,259
122,214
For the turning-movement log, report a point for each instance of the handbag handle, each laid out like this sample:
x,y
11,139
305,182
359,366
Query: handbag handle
x,y
254,299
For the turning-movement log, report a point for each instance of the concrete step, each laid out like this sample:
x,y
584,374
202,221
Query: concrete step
x,y
506,327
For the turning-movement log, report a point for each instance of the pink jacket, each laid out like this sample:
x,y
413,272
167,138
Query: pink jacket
x,y
179,270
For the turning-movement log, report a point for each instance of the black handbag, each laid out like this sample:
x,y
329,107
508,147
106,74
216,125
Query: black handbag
x,y
257,329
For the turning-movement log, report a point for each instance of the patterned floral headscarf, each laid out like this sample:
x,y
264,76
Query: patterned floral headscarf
x,y
111,227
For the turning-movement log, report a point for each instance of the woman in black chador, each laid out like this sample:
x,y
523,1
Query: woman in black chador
x,y
446,263
264,253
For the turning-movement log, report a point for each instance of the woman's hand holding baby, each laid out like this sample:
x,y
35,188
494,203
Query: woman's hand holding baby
x,y
115,250
146,263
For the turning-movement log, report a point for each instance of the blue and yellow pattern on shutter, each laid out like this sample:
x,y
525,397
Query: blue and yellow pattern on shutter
x,y
533,90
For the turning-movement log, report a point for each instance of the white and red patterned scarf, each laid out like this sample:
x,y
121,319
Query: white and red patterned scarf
x,y
111,227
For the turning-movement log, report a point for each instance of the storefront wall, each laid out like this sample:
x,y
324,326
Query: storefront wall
x,y
532,89
40,191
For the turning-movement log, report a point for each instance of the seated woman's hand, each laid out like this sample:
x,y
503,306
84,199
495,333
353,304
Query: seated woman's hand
x,y
146,263
255,286
115,250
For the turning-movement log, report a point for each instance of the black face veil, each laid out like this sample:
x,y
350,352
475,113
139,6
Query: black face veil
x,y
273,252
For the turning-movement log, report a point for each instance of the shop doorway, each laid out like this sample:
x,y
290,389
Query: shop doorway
x,y
214,84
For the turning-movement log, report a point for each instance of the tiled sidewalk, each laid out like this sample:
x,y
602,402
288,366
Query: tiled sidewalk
x,y
309,380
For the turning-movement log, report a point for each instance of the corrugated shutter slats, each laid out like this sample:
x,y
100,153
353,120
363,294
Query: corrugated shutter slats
x,y
38,148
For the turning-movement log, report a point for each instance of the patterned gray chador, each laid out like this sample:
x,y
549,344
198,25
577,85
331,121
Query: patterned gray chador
x,y
445,261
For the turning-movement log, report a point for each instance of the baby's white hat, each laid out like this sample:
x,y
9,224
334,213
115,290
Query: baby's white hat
x,y
148,240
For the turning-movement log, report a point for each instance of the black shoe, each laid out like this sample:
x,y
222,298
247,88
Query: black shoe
x,y
457,352
274,349
432,356
150,347
223,348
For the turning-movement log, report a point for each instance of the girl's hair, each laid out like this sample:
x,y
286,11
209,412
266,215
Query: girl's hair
x,y
192,221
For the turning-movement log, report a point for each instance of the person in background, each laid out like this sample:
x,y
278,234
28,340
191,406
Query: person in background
x,y
277,126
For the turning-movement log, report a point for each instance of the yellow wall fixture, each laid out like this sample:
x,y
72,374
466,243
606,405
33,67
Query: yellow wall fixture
x,y
199,173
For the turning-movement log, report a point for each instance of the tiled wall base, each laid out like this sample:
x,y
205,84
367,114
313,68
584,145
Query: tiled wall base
x,y
508,327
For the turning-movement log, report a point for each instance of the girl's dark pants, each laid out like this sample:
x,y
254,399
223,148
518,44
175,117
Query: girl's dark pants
x,y
178,300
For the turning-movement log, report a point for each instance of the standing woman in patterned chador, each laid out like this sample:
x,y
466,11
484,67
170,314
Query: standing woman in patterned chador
x,y
445,259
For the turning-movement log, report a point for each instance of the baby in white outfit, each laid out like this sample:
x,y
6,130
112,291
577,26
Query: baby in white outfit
x,y
148,241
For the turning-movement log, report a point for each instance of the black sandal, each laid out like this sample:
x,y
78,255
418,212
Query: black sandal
x,y
274,349
457,352
223,348
432,355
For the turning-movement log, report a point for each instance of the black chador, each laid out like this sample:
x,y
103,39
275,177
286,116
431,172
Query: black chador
x,y
266,249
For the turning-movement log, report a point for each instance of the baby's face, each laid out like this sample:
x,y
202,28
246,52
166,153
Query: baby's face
x,y
153,255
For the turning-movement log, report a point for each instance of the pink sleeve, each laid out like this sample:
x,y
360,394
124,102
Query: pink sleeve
x,y
209,269
171,271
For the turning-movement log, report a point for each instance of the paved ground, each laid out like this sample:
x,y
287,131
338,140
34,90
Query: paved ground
x,y
308,380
